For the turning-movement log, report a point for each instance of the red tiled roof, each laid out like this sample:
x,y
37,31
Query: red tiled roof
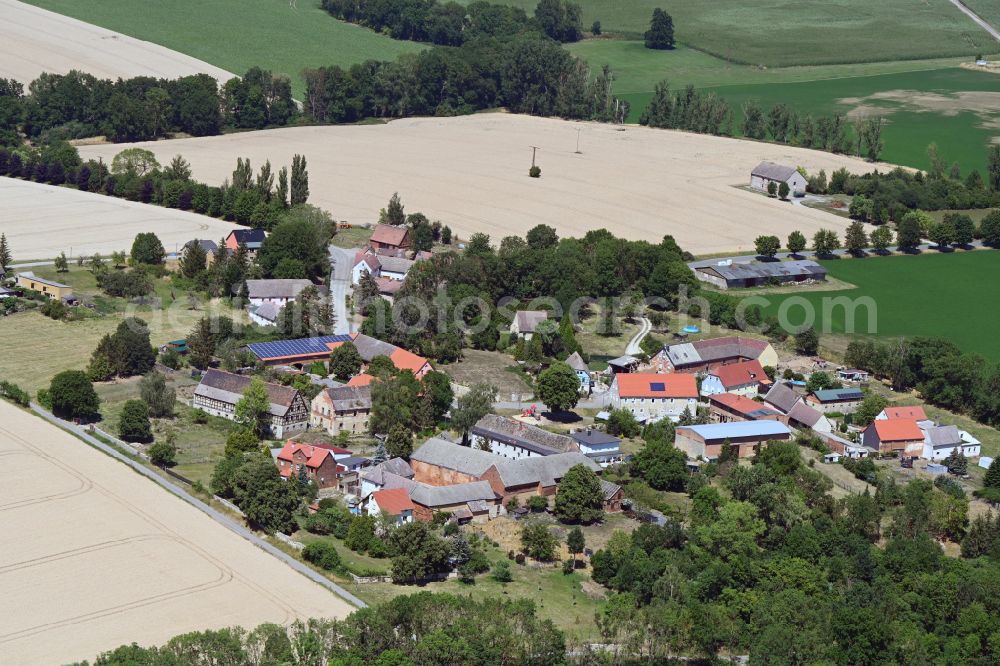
x,y
915,413
740,374
898,430
407,360
738,403
653,385
364,379
388,286
393,501
389,235
315,454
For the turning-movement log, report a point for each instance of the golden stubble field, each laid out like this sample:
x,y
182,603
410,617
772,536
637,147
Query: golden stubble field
x,y
40,221
93,556
471,173
34,40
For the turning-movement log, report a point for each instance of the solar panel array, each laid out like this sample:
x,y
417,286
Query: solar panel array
x,y
657,386
300,347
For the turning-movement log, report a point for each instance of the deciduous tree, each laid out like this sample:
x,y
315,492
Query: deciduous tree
x,y
73,396
253,409
767,246
580,497
345,361
157,395
559,387
133,424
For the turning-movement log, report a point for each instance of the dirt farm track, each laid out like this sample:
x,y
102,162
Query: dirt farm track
x,y
92,556
471,173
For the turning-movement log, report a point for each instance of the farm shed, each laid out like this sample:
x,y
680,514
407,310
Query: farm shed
x,y
733,276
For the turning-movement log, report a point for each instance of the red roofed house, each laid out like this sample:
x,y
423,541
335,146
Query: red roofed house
x,y
395,502
887,436
651,396
729,407
364,379
743,378
387,239
319,463
369,347
914,413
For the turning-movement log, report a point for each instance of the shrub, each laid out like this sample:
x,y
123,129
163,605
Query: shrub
x,y
537,503
15,394
568,566
322,554
162,454
535,172
501,572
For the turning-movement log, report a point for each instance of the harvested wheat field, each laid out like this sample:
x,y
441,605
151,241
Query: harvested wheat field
x,y
92,556
34,40
41,221
471,173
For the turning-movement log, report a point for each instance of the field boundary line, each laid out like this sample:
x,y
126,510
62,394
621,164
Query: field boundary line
x,y
216,515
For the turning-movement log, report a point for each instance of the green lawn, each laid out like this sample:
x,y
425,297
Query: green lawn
x,y
951,295
239,34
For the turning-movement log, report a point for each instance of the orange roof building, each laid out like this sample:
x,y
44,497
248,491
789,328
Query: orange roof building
x,y
319,463
913,413
393,501
899,436
744,378
651,396
364,379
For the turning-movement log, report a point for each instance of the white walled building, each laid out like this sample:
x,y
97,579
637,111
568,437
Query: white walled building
x,y
651,397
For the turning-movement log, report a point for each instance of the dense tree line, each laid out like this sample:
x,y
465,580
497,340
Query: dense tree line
x,y
136,175
451,24
944,375
768,564
519,269
692,111
423,628
77,105
527,75
884,196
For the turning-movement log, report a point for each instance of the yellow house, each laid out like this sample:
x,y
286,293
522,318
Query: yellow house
x,y
50,288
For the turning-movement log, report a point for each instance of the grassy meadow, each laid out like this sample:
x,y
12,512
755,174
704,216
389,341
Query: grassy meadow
x,y
237,35
952,295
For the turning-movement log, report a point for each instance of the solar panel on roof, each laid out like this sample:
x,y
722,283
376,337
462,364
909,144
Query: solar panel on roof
x,y
303,346
657,386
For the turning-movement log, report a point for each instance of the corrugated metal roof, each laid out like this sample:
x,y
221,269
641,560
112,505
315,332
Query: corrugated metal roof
x,y
737,429
772,269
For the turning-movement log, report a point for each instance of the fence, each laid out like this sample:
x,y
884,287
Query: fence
x,y
364,580
117,442
297,545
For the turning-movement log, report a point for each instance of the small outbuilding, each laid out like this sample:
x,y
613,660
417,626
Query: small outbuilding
x,y
769,172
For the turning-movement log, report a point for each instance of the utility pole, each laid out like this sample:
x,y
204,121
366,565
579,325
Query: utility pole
x,y
578,130
534,149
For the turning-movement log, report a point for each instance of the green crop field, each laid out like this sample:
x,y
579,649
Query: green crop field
x,y
952,295
788,33
988,10
958,109
239,34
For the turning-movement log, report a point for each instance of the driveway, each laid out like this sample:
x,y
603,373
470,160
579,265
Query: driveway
x,y
341,262
634,345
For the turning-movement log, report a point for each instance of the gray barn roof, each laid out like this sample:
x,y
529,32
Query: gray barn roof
x,y
350,398
764,271
515,433
459,493
943,436
464,459
229,388
773,171
782,397
544,470
278,288
575,361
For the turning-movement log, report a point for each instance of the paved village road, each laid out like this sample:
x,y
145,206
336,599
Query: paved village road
x,y
341,261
